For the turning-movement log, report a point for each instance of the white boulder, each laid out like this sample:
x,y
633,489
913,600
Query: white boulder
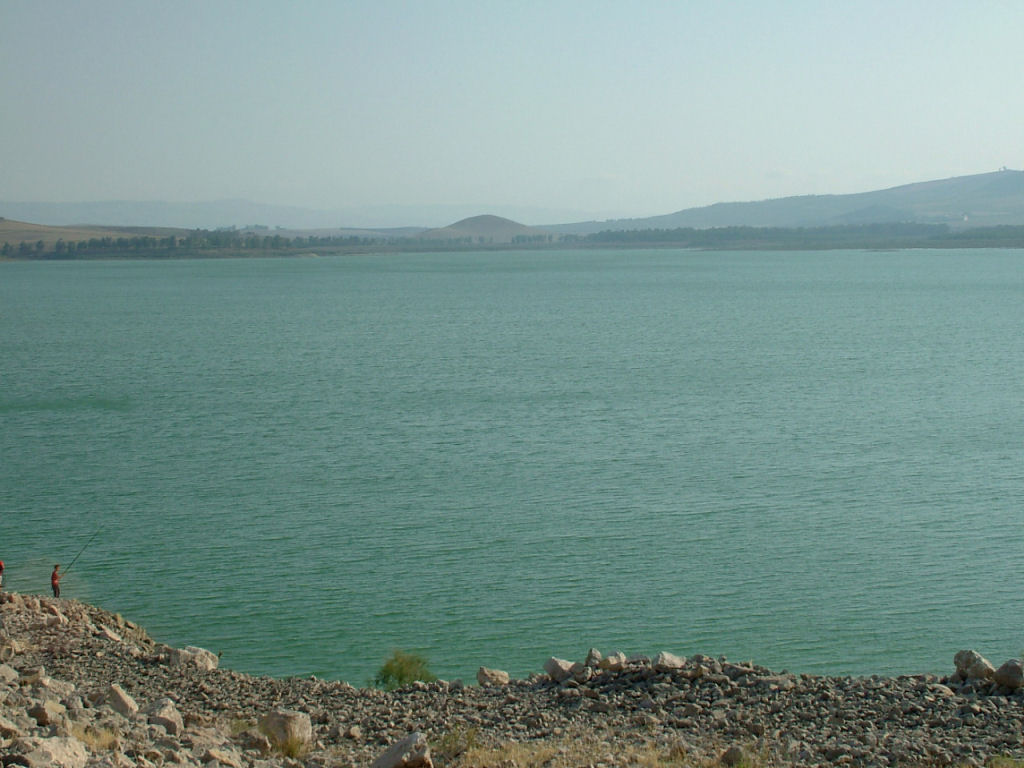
x,y
666,661
119,700
558,670
411,752
192,656
613,662
287,728
492,677
1010,674
971,665
163,712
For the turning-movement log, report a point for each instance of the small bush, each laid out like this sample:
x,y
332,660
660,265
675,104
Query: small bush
x,y
95,738
456,742
293,748
402,668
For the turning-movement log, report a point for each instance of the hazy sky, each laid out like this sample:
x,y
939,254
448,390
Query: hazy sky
x,y
597,109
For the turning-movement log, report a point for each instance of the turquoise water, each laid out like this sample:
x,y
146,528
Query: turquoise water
x,y
812,460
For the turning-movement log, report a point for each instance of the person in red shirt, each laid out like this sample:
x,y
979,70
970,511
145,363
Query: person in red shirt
x,y
55,578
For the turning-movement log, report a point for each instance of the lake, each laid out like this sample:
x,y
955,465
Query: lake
x,y
813,460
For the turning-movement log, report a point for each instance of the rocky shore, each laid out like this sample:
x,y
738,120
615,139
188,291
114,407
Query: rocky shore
x,y
83,687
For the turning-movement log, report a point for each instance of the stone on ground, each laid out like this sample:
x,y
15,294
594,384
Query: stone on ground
x,y
410,752
1010,675
119,700
58,752
971,665
666,661
163,712
614,662
558,670
192,656
486,676
287,728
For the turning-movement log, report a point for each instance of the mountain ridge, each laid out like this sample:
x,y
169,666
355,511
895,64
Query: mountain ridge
x,y
977,200
986,199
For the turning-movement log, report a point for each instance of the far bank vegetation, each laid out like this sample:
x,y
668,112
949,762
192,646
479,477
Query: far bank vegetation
x,y
226,243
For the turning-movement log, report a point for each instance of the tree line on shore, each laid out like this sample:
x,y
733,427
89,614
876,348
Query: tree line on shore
x,y
197,242
232,242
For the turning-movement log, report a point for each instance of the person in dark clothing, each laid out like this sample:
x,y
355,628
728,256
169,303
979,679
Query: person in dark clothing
x,y
55,578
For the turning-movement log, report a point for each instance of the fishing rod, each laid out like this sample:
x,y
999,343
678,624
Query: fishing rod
x,y
91,538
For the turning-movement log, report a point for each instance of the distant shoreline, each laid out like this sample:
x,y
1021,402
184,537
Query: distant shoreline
x,y
30,242
185,255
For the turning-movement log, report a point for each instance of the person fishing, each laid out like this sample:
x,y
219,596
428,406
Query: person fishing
x,y
55,578
1,575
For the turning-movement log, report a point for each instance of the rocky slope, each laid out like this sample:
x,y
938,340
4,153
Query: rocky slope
x,y
83,687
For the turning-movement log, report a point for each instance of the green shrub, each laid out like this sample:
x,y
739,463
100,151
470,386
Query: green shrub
x,y
402,668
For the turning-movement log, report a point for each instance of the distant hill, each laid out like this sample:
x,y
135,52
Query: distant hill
x,y
981,200
218,214
486,230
